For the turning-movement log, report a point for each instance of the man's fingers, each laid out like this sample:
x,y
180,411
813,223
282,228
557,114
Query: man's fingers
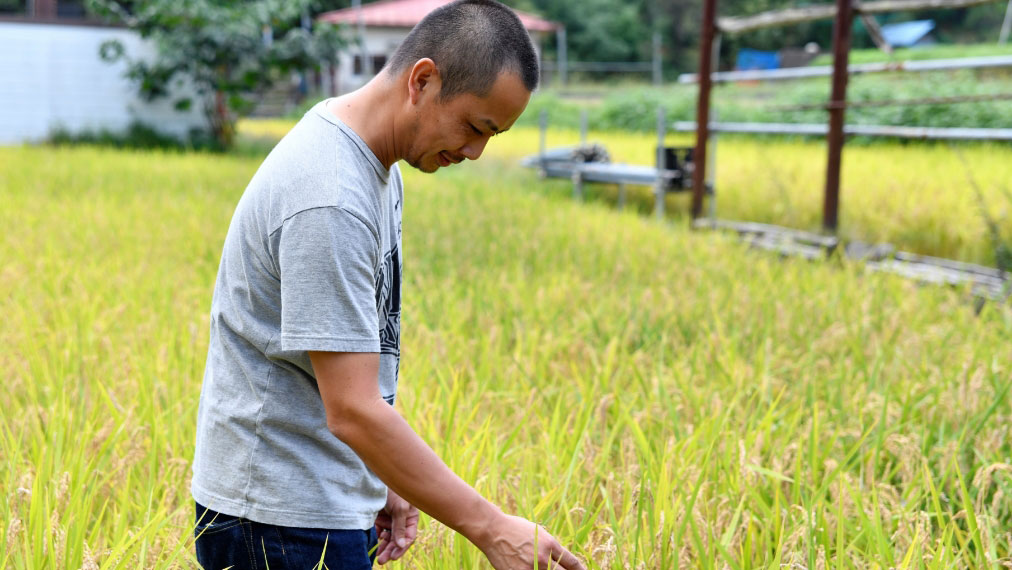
x,y
405,529
560,558
400,526
566,559
385,550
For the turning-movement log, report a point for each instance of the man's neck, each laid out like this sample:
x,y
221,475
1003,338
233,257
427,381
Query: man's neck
x,y
372,112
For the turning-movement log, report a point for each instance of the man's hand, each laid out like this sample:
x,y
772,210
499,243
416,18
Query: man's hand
x,y
397,527
358,416
511,546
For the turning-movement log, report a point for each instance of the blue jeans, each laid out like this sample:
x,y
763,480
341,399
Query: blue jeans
x,y
225,541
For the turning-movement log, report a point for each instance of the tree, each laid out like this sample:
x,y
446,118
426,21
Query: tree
x,y
229,52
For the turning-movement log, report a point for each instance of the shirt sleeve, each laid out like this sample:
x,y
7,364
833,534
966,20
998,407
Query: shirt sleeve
x,y
327,258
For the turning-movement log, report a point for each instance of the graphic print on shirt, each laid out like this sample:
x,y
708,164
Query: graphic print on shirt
x,y
388,303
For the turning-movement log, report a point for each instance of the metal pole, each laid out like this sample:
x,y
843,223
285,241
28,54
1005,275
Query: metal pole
x,y
307,25
711,163
924,65
542,141
583,127
1006,24
560,48
366,62
659,189
703,105
821,130
837,107
711,171
658,79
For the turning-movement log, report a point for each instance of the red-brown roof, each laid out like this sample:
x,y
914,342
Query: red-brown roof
x,y
407,13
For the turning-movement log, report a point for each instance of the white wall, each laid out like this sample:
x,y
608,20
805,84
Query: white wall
x,y
51,76
378,41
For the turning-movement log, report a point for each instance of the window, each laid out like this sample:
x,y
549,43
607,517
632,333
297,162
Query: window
x,y
45,10
70,9
378,61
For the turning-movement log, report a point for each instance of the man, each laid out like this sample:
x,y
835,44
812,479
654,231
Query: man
x,y
301,456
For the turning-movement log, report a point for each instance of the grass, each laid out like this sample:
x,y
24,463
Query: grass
x,y
919,198
656,397
939,51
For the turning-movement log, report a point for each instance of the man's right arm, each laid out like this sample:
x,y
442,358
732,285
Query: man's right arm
x,y
358,416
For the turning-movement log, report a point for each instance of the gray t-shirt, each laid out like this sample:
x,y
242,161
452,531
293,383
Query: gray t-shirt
x,y
311,262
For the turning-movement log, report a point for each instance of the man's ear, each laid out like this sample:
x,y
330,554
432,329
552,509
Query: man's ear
x,y
423,80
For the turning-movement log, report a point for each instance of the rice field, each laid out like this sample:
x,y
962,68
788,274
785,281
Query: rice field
x,y
656,397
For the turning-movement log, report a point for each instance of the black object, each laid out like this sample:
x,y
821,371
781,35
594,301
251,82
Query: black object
x,y
679,159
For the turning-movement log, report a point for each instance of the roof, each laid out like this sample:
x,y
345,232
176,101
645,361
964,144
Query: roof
x,y
407,13
906,34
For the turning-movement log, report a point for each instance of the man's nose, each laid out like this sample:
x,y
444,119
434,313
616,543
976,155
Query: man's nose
x,y
473,149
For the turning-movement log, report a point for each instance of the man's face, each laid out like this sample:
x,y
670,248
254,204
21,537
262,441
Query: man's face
x,y
447,132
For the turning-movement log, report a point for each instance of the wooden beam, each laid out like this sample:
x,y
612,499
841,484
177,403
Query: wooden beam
x,y
811,13
871,24
774,19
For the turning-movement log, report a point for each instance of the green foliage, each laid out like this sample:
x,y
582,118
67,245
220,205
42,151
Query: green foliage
x,y
227,52
601,30
138,136
619,30
938,51
635,108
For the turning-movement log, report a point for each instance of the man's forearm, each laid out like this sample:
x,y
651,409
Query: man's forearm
x,y
392,450
359,417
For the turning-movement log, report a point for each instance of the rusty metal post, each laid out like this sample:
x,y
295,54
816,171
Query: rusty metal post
x,y
43,9
703,105
837,108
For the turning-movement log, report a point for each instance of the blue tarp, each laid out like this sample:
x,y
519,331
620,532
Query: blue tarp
x,y
906,34
757,59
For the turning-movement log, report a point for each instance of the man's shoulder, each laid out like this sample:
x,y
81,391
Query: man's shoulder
x,y
314,167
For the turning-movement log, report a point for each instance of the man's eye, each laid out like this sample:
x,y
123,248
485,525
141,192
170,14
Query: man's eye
x,y
475,129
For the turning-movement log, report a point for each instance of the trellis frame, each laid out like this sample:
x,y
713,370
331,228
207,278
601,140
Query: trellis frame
x,y
843,13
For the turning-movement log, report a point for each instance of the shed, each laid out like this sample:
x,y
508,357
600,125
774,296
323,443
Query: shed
x,y
386,24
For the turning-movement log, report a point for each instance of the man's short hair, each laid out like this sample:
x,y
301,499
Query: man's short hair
x,y
471,43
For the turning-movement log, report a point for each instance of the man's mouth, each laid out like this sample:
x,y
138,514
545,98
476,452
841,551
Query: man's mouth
x,y
445,159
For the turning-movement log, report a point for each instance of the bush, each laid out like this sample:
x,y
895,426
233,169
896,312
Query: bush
x,y
634,109
137,136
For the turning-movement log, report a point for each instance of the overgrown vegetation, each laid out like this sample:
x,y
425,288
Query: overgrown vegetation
x,y
217,56
137,136
635,108
937,51
657,397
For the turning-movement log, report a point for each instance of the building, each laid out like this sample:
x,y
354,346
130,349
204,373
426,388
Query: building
x,y
386,23
52,78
